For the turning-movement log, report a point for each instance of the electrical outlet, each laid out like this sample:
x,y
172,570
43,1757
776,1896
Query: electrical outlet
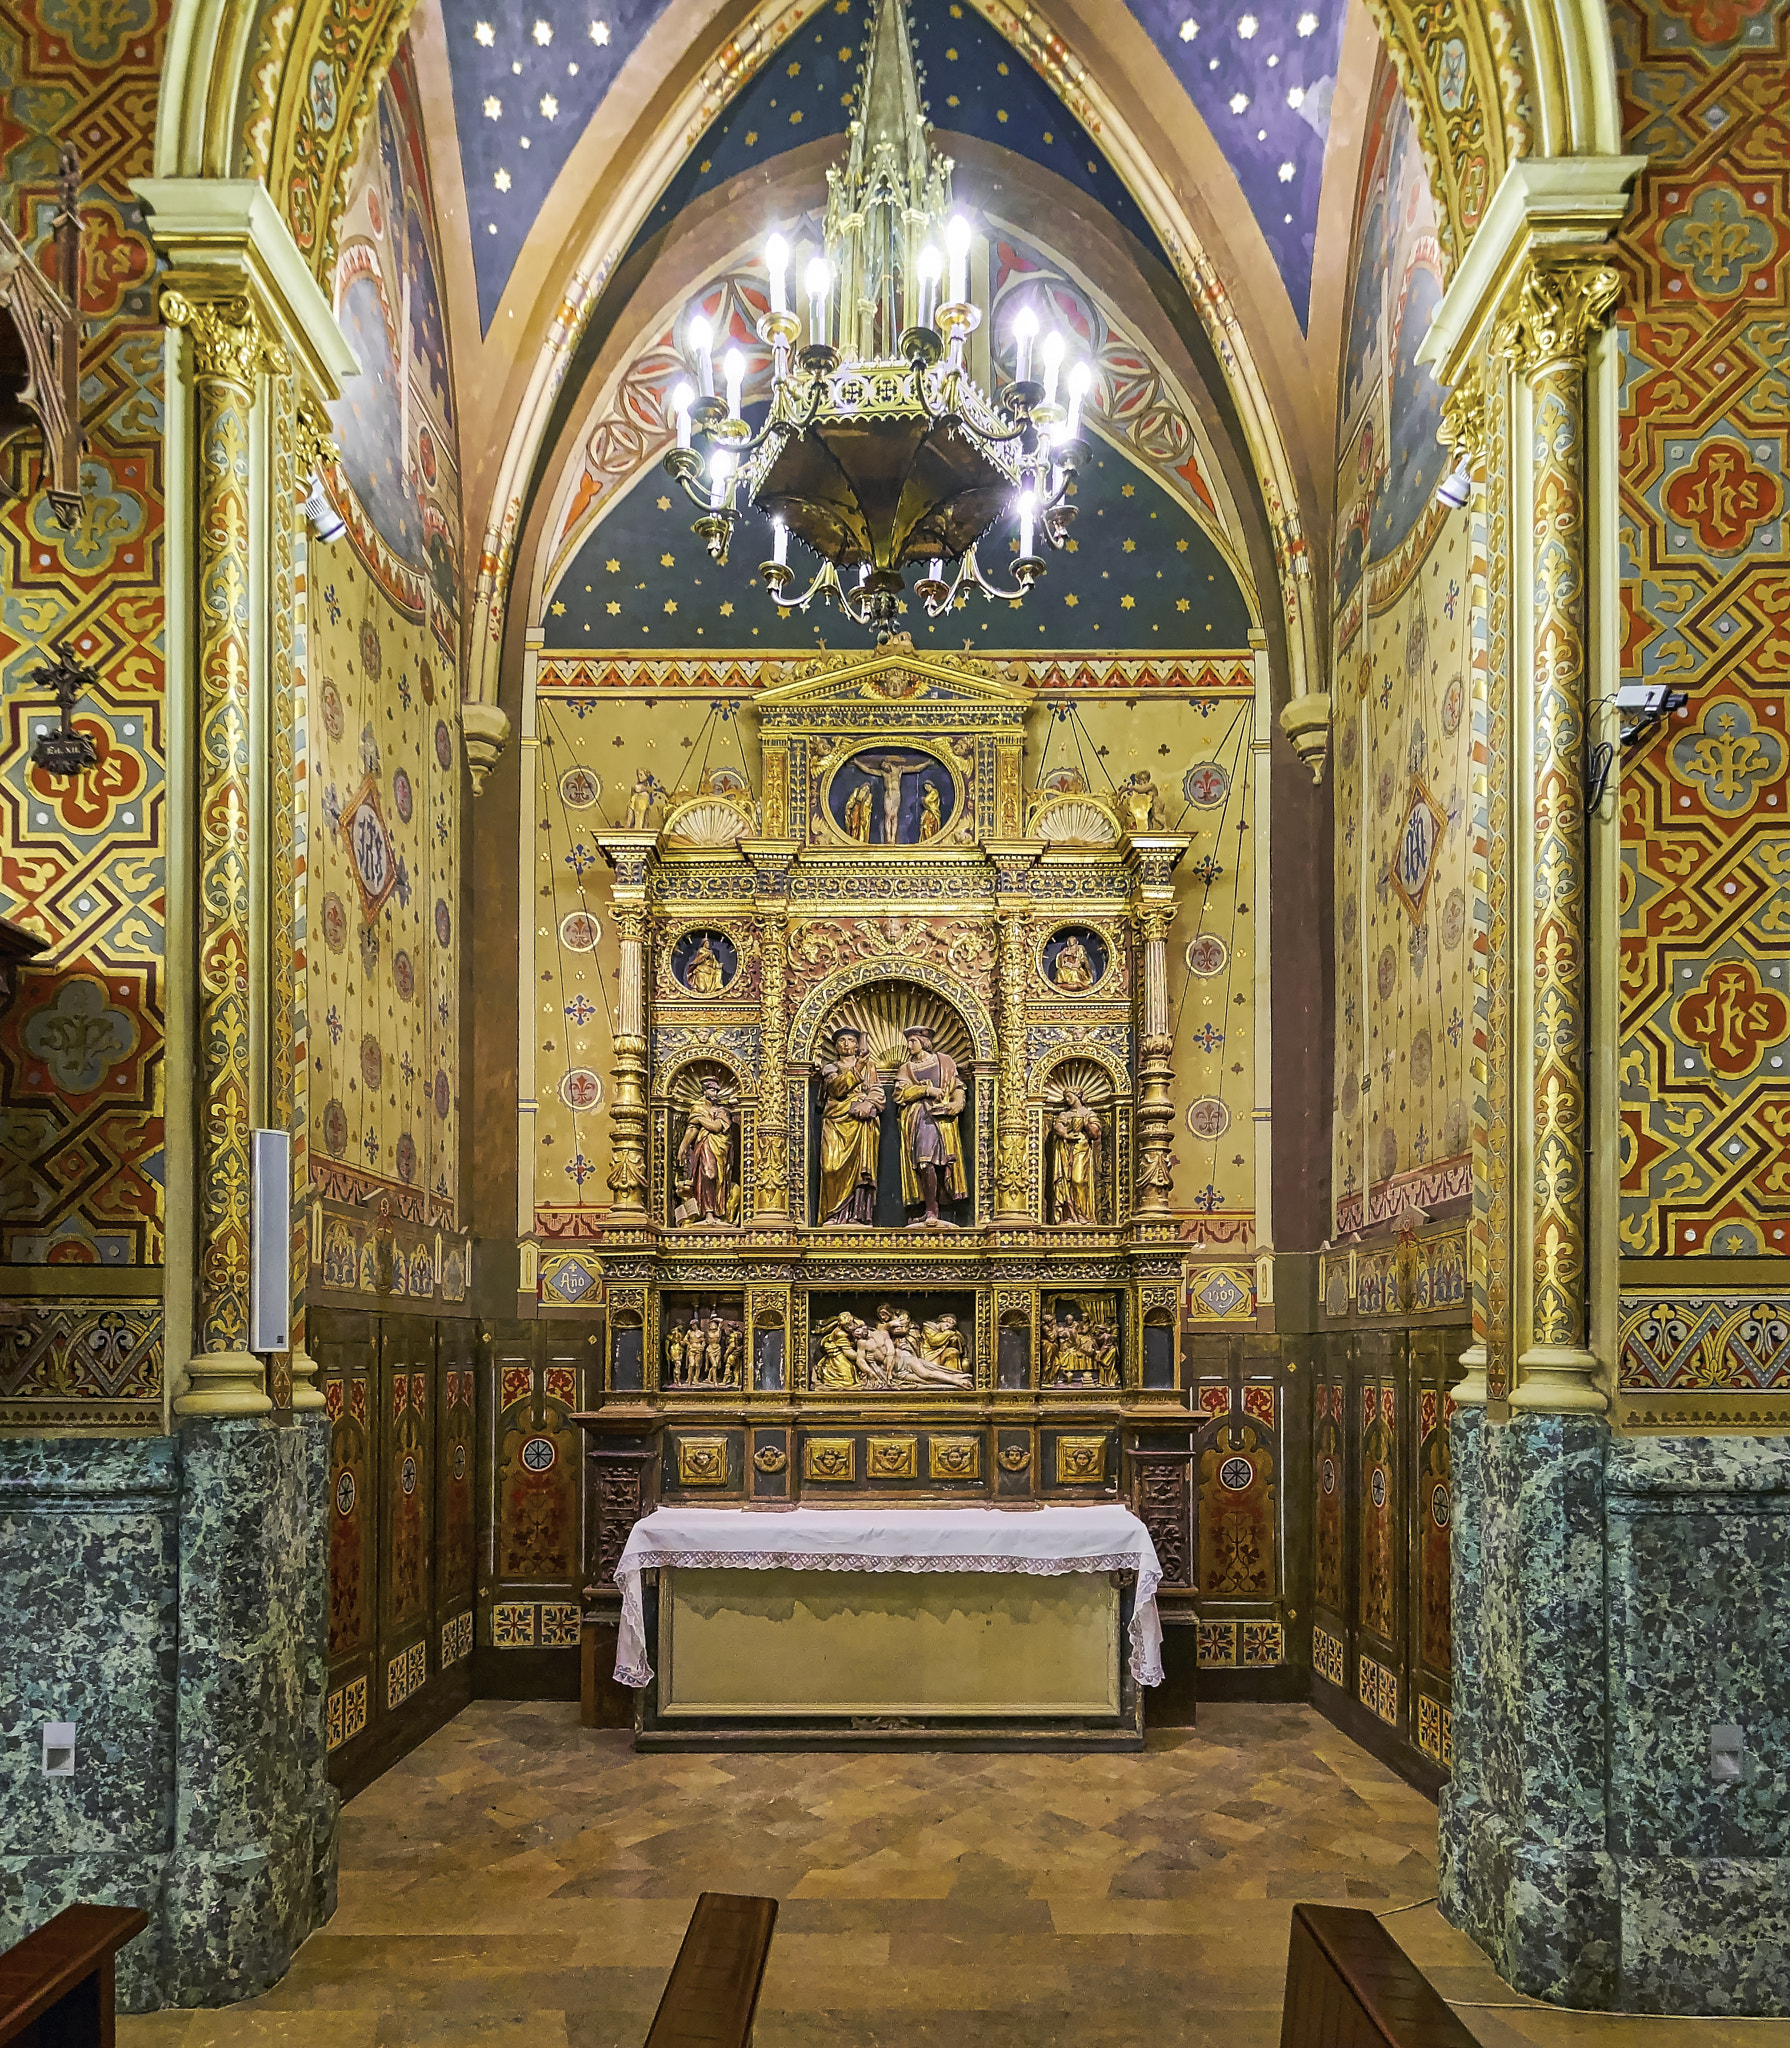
x,y
1727,1746
59,1749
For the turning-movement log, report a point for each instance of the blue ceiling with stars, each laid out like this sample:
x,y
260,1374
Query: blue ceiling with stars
x,y
1141,575
528,78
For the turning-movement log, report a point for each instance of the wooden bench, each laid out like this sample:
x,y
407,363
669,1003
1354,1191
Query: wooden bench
x,y
711,1996
1350,1985
58,1987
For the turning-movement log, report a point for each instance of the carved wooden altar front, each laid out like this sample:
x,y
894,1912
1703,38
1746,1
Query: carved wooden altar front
x,y
891,1121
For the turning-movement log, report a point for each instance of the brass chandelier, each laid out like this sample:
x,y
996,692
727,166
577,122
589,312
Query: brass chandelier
x,y
879,450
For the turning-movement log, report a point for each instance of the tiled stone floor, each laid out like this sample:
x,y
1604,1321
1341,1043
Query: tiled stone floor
x,y
519,1879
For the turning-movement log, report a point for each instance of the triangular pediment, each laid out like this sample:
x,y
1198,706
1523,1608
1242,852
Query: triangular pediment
x,y
895,673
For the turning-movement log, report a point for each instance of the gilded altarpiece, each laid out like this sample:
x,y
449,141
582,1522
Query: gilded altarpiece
x,y
866,1071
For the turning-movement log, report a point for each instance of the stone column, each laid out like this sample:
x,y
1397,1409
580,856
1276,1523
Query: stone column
x,y
1153,861
1012,1176
629,854
1559,306
228,349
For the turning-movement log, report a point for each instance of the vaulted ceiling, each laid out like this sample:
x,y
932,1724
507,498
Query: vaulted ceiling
x,y
529,78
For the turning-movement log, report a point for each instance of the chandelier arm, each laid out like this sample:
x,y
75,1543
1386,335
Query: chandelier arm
x,y
800,604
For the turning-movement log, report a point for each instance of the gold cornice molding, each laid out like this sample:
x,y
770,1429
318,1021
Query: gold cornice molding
x,y
1545,213
225,242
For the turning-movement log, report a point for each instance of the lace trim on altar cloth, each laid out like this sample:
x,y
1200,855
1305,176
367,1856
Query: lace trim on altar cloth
x,y
632,1668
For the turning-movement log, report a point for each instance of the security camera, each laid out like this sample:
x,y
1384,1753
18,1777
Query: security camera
x,y
1456,489
326,522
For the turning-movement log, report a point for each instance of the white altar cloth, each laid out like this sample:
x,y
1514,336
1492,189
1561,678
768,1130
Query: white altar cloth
x,y
1050,1541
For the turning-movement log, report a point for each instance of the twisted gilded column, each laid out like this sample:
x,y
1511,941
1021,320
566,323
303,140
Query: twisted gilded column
x,y
1153,859
629,855
1012,1176
1558,309
228,349
771,1197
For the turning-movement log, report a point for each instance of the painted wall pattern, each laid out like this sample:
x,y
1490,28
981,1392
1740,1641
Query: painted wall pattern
x,y
1409,650
81,859
385,765
1705,1050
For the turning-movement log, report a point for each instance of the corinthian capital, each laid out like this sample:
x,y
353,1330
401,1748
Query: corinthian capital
x,y
1557,309
227,339
1463,428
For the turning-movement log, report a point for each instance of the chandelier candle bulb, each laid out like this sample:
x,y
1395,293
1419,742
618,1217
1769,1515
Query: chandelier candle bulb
x,y
817,279
702,340
935,569
1025,329
1025,523
776,256
1053,363
957,247
681,401
1079,380
930,266
734,364
721,470
780,543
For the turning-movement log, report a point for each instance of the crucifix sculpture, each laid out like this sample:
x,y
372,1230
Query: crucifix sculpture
x,y
64,751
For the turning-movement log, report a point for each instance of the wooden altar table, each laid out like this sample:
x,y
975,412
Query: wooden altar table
x,y
968,1627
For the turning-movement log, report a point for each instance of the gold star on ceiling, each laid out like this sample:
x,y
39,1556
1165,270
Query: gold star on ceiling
x,y
727,609
664,504
1131,547
1180,604
1180,547
613,608
1128,602
670,605
559,610
664,561
1128,490
612,565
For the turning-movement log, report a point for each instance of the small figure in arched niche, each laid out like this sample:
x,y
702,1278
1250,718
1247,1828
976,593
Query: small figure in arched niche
x,y
1076,1134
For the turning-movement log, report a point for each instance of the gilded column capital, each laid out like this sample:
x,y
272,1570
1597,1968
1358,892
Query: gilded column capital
x,y
1463,431
227,337
314,442
1554,312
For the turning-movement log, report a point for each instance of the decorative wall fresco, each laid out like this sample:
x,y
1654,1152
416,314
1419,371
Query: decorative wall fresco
x,y
1155,560
81,858
385,767
1409,651
1705,840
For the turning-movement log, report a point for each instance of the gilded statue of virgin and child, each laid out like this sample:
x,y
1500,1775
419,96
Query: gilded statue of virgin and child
x,y
929,1096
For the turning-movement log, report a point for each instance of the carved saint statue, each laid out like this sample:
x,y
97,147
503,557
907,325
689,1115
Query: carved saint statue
x,y
891,768
641,799
705,1162
1073,969
857,814
930,1095
931,817
703,972
1137,802
851,1107
1075,1138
